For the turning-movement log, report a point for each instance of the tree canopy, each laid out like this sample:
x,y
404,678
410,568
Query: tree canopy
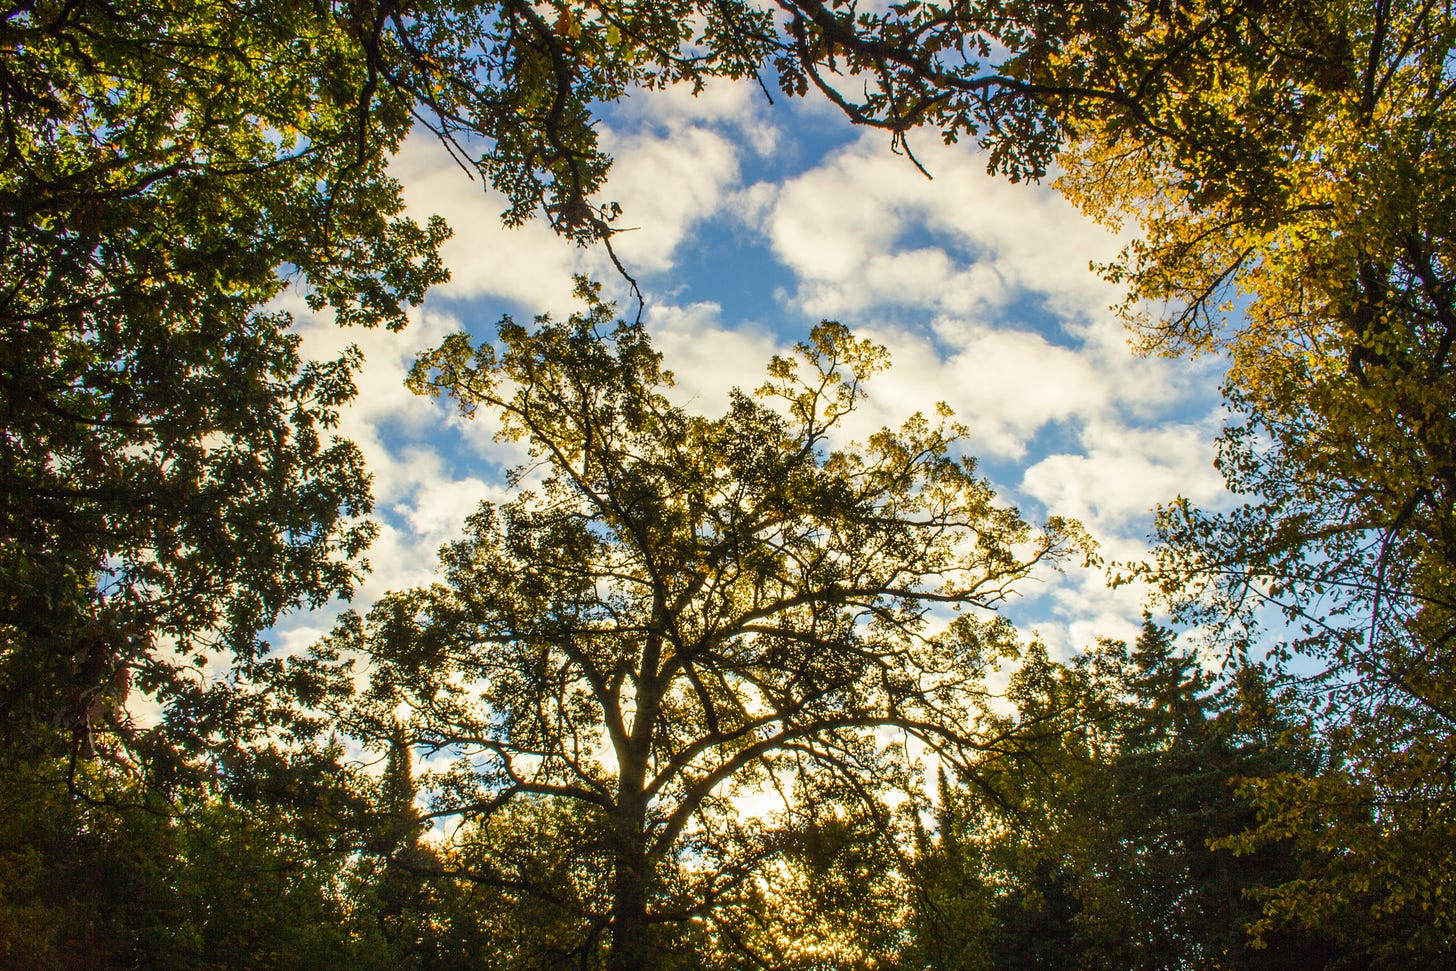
x,y
1311,245
676,613
169,482
173,165
170,167
684,610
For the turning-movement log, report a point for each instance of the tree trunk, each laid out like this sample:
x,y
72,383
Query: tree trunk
x,y
632,872
631,949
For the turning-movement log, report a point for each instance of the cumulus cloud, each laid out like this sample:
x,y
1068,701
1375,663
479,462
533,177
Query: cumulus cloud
x,y
1004,383
980,290
676,164
529,264
666,184
421,496
735,107
1124,472
865,229
1112,486
707,358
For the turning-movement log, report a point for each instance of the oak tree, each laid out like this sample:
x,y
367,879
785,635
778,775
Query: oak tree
x,y
169,478
677,611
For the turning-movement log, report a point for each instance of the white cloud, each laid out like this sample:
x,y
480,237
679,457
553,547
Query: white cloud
x,y
1004,384
529,264
673,168
844,228
1112,486
1124,472
708,359
736,107
420,499
665,185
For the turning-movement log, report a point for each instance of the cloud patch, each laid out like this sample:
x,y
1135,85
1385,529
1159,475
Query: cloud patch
x,y
865,229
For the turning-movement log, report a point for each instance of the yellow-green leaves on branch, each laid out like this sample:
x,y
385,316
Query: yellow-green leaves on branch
x,y
1297,218
684,607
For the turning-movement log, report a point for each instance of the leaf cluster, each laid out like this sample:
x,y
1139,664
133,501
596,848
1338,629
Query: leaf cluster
x,y
683,608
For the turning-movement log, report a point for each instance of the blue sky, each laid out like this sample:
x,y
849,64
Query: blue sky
x,y
751,222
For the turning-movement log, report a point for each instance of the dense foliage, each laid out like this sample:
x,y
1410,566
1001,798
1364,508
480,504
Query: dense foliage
x,y
1295,215
685,611
677,614
168,480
